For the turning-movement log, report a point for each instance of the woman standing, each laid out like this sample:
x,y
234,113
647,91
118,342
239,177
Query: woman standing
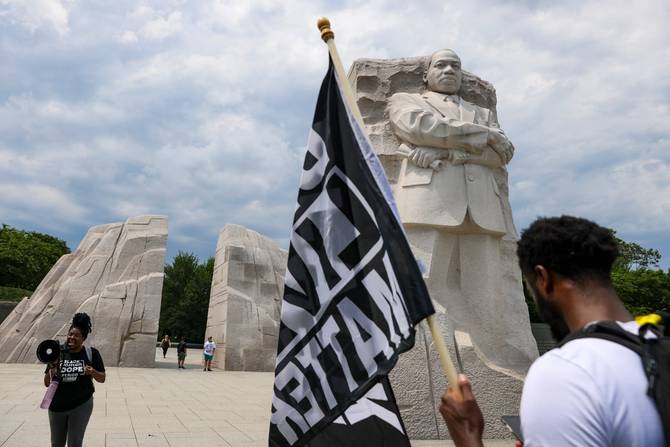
x,y
72,404
165,344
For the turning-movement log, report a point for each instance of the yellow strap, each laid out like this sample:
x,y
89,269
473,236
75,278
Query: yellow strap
x,y
654,319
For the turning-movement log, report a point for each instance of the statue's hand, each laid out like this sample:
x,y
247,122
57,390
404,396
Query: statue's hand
x,y
459,158
424,157
499,143
497,137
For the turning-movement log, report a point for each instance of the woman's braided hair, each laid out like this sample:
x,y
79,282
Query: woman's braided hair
x,y
82,322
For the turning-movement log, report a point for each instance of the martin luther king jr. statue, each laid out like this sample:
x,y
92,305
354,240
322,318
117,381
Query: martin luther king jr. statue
x,y
452,210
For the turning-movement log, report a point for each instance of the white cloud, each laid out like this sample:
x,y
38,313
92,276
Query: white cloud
x,y
199,110
162,27
40,204
128,37
36,14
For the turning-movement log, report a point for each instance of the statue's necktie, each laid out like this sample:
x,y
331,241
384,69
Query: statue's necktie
x,y
450,105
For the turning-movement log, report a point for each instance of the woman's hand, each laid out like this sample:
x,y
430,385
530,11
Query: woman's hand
x,y
48,375
97,375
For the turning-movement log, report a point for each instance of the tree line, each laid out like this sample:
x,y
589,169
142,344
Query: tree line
x,y
27,256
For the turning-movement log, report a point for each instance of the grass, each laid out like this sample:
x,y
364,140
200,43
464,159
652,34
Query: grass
x,y
13,294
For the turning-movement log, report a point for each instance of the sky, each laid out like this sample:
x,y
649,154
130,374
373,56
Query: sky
x,y
200,110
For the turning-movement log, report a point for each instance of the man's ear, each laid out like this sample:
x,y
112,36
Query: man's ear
x,y
544,280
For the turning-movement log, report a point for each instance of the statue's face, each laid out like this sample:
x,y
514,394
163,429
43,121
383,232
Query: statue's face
x,y
444,72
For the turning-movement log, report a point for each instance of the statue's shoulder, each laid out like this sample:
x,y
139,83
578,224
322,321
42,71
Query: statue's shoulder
x,y
402,96
474,106
482,112
403,101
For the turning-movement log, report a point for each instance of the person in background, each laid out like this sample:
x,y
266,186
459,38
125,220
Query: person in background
x,y
181,353
588,392
72,404
165,344
208,352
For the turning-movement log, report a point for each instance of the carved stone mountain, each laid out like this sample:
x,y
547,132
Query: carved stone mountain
x,y
417,379
116,276
245,300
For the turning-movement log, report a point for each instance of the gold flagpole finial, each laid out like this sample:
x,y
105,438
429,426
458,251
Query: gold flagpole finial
x,y
328,36
324,26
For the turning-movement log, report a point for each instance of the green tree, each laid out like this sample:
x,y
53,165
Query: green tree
x,y
185,300
633,256
27,256
643,290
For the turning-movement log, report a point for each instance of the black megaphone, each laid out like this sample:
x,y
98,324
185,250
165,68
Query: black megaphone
x,y
48,351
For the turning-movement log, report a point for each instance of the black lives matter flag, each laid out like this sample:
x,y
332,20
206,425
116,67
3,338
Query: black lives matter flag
x,y
353,293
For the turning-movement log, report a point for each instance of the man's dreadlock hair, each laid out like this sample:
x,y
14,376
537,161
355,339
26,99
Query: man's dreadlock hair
x,y
570,246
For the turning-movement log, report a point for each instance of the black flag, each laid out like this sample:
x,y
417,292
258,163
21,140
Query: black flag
x,y
372,421
353,291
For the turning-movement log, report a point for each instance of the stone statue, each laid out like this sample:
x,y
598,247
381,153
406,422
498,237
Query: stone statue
x,y
434,127
450,204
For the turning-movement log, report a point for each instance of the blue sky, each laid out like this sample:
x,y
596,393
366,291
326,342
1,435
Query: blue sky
x,y
200,110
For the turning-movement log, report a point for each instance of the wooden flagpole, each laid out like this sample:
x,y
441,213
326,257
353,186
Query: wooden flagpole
x,y
328,36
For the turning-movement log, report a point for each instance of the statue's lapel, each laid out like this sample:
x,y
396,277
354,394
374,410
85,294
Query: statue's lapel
x,y
468,112
435,101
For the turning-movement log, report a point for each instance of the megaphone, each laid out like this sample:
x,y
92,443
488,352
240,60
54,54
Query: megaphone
x,y
48,351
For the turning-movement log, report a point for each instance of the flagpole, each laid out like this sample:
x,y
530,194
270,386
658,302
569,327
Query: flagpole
x,y
445,359
328,36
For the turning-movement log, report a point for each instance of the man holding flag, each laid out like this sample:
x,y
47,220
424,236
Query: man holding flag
x,y
589,391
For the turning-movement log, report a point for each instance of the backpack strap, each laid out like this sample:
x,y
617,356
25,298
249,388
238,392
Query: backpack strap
x,y
611,331
607,330
89,353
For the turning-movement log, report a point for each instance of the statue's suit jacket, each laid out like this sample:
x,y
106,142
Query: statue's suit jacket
x,y
443,198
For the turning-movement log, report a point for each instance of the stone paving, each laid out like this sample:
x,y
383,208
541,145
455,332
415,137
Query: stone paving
x,y
158,407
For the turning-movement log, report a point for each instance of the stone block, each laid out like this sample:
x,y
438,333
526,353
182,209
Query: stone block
x,y
247,288
259,359
116,276
418,383
135,347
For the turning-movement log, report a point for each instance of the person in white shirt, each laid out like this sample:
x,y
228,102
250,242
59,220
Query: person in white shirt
x,y
589,392
208,352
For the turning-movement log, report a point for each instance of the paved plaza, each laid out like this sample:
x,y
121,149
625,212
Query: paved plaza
x,y
162,406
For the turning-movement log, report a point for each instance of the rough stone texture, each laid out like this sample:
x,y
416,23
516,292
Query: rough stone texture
x,y
418,383
116,276
417,380
245,300
375,80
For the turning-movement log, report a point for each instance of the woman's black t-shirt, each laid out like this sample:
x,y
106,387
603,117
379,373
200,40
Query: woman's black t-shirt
x,y
75,388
